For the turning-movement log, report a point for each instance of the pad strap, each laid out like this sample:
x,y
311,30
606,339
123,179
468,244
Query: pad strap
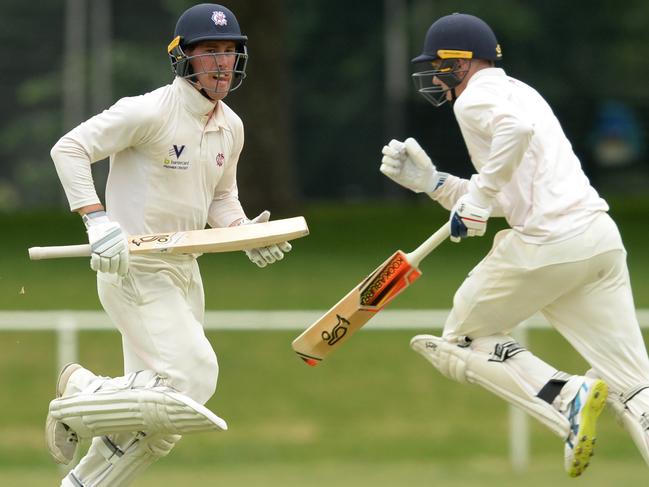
x,y
553,387
631,393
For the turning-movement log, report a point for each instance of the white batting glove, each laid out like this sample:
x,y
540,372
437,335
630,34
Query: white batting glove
x,y
407,164
107,242
262,256
468,219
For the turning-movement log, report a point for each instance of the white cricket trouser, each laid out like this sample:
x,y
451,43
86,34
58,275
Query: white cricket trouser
x,y
158,308
580,285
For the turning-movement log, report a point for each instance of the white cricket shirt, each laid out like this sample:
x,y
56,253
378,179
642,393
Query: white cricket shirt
x,y
523,160
173,160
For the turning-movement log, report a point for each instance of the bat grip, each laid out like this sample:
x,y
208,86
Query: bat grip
x,y
430,244
55,252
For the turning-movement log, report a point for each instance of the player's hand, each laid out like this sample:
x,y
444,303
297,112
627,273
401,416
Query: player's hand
x,y
407,164
262,256
107,242
468,219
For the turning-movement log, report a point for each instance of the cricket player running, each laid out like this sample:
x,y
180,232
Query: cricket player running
x,y
563,255
173,159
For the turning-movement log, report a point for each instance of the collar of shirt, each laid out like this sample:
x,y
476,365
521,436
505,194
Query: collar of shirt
x,y
486,72
198,105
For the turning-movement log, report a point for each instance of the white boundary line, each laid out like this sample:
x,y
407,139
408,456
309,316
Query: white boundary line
x,y
251,320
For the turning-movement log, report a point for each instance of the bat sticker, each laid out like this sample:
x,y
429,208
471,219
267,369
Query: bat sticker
x,y
337,332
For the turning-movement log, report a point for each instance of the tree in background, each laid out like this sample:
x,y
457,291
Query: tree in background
x,y
314,102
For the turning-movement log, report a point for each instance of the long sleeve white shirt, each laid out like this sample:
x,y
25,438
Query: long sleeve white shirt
x,y
173,160
525,164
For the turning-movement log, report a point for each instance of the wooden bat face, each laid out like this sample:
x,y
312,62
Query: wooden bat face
x,y
227,239
355,309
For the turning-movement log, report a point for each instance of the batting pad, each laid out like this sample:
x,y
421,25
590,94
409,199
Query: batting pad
x,y
632,409
117,460
500,365
153,410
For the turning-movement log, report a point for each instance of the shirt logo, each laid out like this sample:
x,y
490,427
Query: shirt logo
x,y
220,159
219,18
173,161
178,150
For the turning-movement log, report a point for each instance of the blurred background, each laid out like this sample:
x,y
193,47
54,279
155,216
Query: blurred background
x,y
328,85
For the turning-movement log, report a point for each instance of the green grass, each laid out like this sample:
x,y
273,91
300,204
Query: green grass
x,y
484,471
376,414
345,244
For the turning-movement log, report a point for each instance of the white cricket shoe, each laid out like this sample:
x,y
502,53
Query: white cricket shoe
x,y
582,413
60,439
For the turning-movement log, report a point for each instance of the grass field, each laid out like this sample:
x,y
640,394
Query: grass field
x,y
345,244
376,415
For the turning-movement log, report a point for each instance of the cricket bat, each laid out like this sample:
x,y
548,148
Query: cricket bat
x,y
368,298
226,239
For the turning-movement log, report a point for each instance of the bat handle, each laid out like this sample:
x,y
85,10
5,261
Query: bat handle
x,y
55,252
431,243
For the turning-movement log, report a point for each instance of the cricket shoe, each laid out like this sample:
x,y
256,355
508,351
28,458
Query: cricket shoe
x,y
582,413
61,440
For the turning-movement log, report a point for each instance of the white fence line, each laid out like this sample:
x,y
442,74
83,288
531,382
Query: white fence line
x,y
68,323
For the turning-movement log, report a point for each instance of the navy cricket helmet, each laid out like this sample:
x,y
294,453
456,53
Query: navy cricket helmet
x,y
461,36
453,37
207,22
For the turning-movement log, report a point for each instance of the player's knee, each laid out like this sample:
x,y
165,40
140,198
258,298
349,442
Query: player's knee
x,y
203,378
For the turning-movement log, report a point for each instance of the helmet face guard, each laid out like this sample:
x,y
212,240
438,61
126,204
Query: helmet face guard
x,y
181,64
208,22
447,71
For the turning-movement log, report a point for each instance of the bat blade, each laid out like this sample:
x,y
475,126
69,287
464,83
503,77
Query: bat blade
x,y
338,324
227,239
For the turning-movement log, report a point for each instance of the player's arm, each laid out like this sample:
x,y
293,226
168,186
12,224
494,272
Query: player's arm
x,y
510,133
108,244
408,164
128,123
113,130
510,136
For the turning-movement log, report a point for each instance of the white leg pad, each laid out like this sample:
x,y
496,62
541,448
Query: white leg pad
x,y
632,409
497,364
135,403
116,460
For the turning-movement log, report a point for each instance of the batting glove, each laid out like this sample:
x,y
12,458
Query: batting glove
x,y
468,219
262,256
407,164
108,244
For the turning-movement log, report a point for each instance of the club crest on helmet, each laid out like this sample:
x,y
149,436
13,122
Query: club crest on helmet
x,y
219,18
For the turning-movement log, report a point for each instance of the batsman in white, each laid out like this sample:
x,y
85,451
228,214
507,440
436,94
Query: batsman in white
x,y
173,159
563,255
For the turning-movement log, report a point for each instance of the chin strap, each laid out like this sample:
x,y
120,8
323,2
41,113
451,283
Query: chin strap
x,y
204,93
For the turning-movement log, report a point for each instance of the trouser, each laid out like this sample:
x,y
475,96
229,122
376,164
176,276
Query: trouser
x,y
158,307
581,286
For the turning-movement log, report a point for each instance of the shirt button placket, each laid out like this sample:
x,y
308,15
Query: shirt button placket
x,y
203,149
